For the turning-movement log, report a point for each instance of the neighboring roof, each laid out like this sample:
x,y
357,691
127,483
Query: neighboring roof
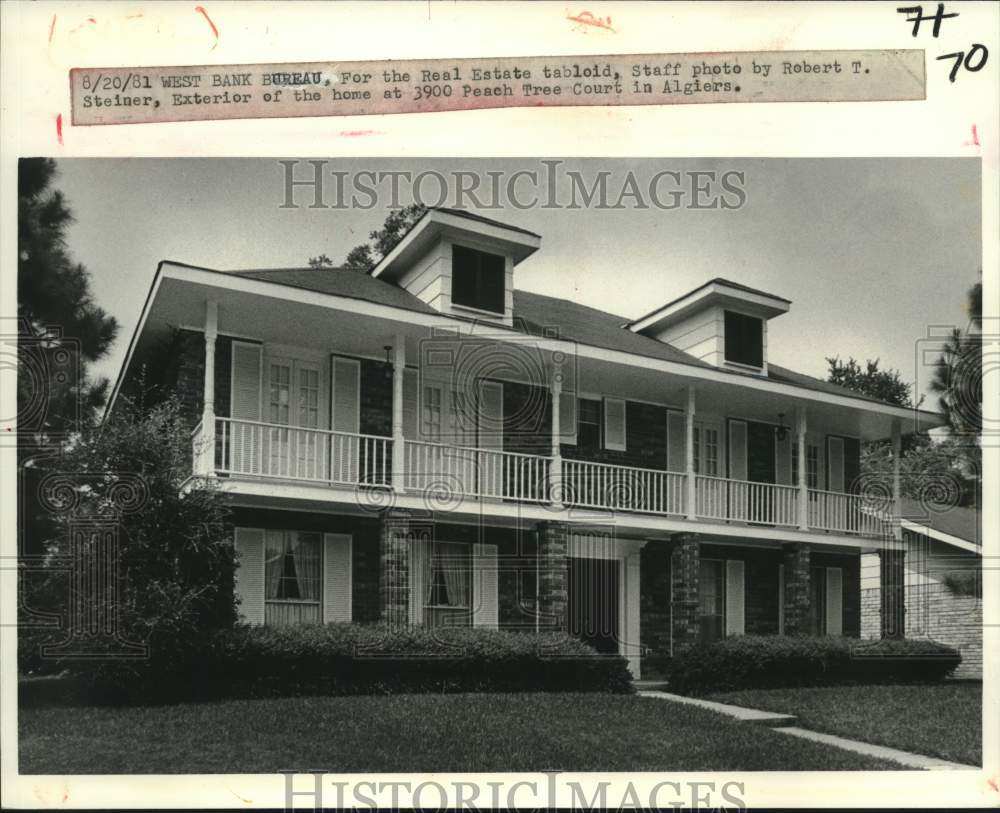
x,y
956,521
533,313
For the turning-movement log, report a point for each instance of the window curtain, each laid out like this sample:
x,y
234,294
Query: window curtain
x,y
305,551
454,561
274,562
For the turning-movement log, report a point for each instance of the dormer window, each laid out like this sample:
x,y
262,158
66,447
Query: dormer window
x,y
477,279
744,339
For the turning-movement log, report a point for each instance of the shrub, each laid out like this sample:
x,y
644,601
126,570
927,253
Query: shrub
x,y
352,659
777,661
338,659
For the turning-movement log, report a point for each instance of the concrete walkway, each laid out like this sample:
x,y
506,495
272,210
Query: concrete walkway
x,y
785,723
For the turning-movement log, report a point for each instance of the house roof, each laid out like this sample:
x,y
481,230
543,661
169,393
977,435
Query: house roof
x,y
956,521
479,219
347,282
533,313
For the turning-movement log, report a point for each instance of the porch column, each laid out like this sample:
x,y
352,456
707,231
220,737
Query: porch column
x,y
206,464
692,512
685,562
797,600
394,568
398,442
897,523
892,581
553,576
555,464
801,428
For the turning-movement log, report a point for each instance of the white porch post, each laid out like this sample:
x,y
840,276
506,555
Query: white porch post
x,y
800,431
897,530
555,464
398,443
689,454
207,450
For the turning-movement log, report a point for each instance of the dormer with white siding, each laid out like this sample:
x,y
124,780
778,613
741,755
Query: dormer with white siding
x,y
460,264
721,322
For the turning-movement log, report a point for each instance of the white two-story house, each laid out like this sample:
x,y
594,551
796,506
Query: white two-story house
x,y
427,444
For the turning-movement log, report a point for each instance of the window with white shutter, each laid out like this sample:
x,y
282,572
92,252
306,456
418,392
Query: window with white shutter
x,y
735,598
834,601
485,593
567,418
337,577
614,424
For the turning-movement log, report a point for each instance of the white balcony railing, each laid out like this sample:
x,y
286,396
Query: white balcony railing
x,y
294,453
466,471
744,501
258,449
609,486
848,513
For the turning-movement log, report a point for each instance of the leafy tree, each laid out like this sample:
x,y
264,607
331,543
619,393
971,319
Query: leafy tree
x,y
61,328
365,257
885,385
931,470
175,556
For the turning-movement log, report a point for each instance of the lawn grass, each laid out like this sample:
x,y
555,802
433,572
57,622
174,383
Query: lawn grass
x,y
418,733
942,720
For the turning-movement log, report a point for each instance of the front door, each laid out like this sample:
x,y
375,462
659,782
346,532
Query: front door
x,y
593,602
761,469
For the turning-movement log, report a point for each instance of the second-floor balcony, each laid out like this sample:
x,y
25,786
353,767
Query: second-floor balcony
x,y
441,472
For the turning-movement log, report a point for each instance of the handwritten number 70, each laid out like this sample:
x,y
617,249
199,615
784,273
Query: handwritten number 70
x,y
965,59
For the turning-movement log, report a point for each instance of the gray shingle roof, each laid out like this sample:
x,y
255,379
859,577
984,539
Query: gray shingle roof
x,y
532,313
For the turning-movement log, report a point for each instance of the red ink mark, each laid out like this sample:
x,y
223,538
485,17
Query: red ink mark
x,y
208,19
975,138
89,20
353,133
992,782
586,18
52,28
59,129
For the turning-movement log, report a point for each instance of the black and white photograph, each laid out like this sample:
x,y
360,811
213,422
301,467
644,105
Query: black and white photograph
x,y
347,471
622,451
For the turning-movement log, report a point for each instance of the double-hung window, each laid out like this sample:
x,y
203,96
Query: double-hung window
x,y
430,426
588,424
447,583
292,568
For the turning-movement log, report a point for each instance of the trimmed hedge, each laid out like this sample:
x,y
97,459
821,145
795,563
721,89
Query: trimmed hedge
x,y
354,659
778,661
338,659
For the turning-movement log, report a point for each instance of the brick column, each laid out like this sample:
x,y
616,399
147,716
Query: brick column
x,y
796,561
553,576
394,569
685,558
893,593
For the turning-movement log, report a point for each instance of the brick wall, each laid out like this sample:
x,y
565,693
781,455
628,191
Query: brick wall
x,y
933,611
645,440
684,581
553,576
796,558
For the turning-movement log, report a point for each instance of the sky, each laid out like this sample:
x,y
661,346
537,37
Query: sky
x,y
873,253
